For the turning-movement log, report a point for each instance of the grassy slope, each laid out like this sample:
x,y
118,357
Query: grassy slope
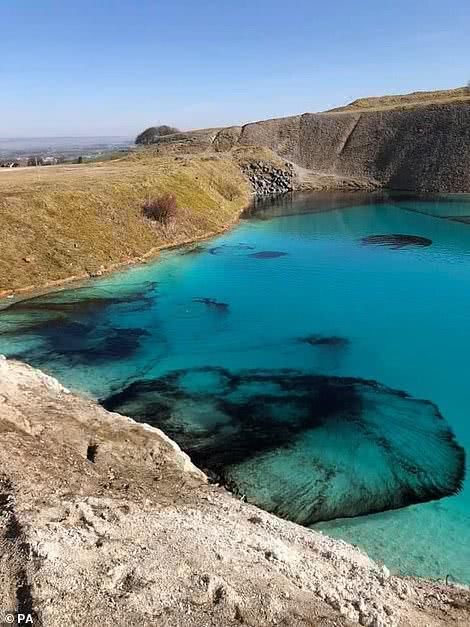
x,y
63,221
415,99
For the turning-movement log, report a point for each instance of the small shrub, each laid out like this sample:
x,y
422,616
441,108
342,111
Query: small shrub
x,y
162,209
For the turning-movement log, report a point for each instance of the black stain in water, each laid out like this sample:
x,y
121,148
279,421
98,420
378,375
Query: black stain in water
x,y
237,249
78,344
268,254
193,250
333,341
213,304
280,438
230,248
396,241
72,326
84,300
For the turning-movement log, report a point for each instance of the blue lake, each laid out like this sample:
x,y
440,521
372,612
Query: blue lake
x,y
314,359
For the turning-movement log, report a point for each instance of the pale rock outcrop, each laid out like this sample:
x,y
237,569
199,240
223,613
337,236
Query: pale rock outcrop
x,y
106,522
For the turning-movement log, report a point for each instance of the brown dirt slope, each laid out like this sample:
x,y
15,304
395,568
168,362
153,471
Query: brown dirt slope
x,y
105,522
65,221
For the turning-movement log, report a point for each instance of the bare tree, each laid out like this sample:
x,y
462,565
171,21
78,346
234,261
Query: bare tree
x,y
35,160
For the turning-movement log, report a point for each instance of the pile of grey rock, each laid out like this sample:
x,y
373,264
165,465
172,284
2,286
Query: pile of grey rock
x,y
267,179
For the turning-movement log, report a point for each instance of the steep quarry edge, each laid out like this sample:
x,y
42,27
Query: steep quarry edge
x,y
106,521
423,148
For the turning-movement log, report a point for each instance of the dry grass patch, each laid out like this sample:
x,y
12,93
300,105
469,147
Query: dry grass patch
x,y
62,221
415,99
247,154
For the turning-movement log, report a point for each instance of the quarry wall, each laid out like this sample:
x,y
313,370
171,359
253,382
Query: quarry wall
x,y
425,149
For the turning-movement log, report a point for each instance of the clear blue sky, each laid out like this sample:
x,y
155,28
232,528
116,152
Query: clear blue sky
x,y
113,67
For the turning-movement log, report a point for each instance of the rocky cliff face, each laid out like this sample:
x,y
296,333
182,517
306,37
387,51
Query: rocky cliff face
x,y
425,149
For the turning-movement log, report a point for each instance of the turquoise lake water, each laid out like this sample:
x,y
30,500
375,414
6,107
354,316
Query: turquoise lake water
x,y
315,359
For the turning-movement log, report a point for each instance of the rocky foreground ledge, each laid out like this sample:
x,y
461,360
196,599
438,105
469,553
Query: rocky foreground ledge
x,y
106,522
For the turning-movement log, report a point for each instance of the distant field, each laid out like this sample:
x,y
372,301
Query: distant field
x,y
62,221
68,147
415,99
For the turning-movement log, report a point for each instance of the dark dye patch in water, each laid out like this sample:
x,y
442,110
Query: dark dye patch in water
x,y
268,254
333,341
193,250
71,310
213,304
72,326
307,447
396,241
84,300
230,249
75,344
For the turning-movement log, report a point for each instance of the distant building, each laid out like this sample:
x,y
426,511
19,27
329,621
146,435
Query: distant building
x,y
40,160
50,161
